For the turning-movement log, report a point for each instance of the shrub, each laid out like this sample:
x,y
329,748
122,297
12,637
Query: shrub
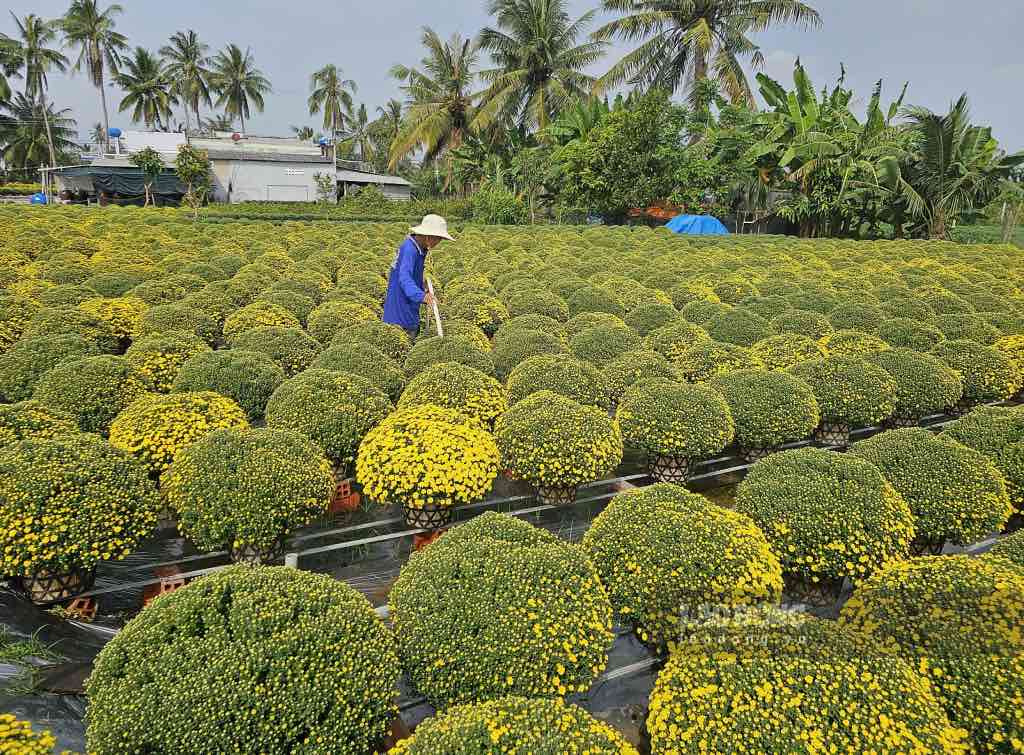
x,y
319,676
259,314
514,724
180,317
675,338
585,321
93,390
667,419
767,307
16,312
856,316
121,315
595,299
828,516
691,291
425,456
768,408
708,359
386,338
499,607
552,441
738,327
988,374
528,322
651,316
851,343
484,311
703,312
996,432
537,302
246,377
907,307
802,322
454,386
967,326
64,321
155,427
430,351
1010,548
559,374
17,737
946,303
849,390
909,334
330,317
297,304
359,358
958,619
803,686
31,420
662,549
600,344
924,384
466,331
785,351
291,348
334,409
26,361
70,502
954,492
159,357
627,369
237,487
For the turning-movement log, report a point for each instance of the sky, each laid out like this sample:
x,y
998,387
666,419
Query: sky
x,y
933,44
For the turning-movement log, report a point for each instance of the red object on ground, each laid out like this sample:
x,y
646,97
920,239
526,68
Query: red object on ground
x,y
421,541
165,586
83,608
345,499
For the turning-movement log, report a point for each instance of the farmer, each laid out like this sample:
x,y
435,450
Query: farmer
x,y
406,291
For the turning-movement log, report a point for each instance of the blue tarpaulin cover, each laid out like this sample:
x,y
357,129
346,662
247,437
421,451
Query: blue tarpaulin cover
x,y
697,225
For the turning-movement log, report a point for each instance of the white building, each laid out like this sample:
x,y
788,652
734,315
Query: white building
x,y
259,168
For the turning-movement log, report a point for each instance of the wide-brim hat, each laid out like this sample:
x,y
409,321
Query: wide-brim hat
x,y
432,225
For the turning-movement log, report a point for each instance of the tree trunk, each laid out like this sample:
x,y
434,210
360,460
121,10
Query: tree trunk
x,y
241,117
49,132
106,116
187,124
937,229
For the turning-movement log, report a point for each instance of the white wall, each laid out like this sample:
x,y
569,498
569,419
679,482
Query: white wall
x,y
265,181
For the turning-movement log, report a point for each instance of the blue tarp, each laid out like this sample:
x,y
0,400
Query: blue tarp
x,y
697,225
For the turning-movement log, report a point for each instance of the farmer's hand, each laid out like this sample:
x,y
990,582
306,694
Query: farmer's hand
x,y
428,299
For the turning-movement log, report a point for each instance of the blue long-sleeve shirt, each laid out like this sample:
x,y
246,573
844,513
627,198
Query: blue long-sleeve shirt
x,y
405,286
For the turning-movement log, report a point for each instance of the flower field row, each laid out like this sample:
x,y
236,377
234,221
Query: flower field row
x,y
232,374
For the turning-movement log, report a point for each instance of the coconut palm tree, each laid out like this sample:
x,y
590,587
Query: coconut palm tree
x,y
91,30
31,137
186,58
98,135
539,67
358,136
332,94
955,167
239,84
683,42
35,35
148,89
303,133
389,119
10,63
440,103
217,122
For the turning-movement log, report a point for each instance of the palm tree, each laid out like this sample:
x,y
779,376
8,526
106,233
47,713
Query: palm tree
x,y
687,41
98,135
440,104
37,60
358,137
148,89
389,119
10,63
955,167
217,122
332,94
303,133
539,68
239,84
30,136
186,59
91,30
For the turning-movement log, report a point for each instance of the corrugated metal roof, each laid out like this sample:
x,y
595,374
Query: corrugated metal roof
x,y
122,161
266,156
356,176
